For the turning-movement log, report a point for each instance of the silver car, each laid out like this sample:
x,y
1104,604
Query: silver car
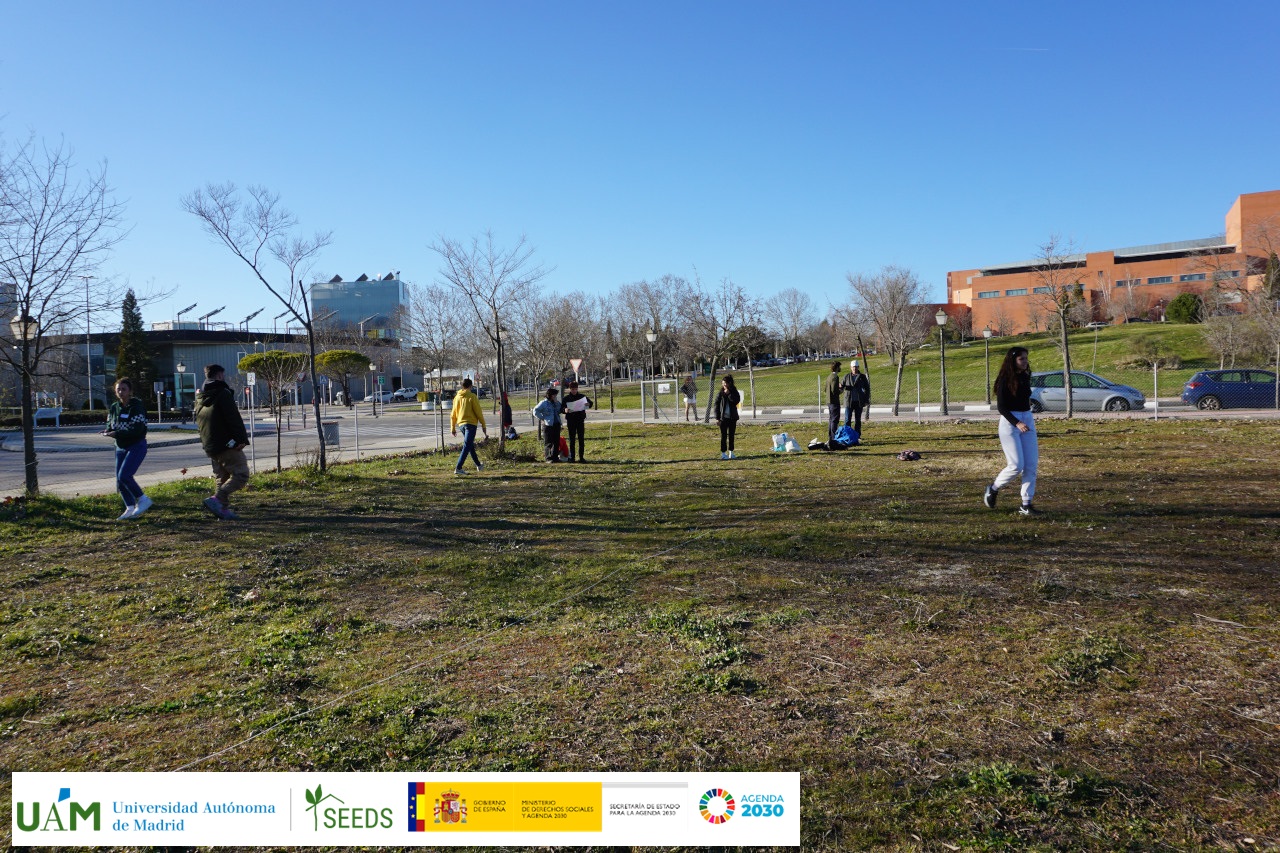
x,y
1089,393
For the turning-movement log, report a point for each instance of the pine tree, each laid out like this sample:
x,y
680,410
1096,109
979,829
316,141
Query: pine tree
x,y
134,356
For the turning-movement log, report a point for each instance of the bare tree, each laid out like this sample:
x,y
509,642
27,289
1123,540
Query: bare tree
x,y
494,281
713,315
257,230
892,301
789,314
56,229
1003,323
1059,290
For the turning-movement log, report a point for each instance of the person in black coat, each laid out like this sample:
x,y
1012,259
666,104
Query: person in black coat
x,y
857,395
726,408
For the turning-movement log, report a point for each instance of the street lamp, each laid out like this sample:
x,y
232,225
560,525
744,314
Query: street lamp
x,y
609,356
651,336
374,406
941,319
181,367
986,351
261,344
88,354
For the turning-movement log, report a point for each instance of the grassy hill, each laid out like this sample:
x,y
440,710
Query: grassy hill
x,y
798,384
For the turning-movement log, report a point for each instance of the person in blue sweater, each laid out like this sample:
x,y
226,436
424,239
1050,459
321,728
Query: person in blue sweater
x,y
127,424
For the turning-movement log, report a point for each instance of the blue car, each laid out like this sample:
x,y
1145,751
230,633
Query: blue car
x,y
1231,389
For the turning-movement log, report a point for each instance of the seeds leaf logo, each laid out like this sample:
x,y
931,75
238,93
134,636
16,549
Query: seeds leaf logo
x,y
315,798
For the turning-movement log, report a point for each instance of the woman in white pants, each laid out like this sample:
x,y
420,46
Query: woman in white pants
x,y
1017,430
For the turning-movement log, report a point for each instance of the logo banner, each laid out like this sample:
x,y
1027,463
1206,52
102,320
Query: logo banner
x,y
406,809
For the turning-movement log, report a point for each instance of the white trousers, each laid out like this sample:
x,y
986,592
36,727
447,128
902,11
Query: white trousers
x,y
1022,451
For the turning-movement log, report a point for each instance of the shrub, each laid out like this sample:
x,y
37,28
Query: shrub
x,y
1185,308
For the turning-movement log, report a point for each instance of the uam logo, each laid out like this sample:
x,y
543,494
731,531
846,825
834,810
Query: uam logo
x,y
62,815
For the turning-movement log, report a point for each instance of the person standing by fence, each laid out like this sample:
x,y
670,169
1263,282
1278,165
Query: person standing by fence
x,y
127,424
1017,430
857,395
689,390
726,410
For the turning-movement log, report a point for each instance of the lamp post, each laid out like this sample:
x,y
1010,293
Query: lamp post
x,y
88,354
941,319
609,356
651,336
372,368
181,367
986,351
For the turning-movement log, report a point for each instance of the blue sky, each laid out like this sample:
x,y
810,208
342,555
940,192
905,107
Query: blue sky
x,y
781,145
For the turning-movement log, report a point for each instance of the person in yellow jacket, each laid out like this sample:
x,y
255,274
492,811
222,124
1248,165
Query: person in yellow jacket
x,y
467,414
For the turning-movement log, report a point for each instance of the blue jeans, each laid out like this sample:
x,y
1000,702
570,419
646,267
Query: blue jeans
x,y
128,459
468,445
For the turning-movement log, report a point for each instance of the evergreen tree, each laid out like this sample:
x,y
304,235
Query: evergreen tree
x,y
1272,280
134,356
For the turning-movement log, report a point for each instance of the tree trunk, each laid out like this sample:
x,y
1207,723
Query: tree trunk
x,y
29,434
711,391
1066,363
897,381
315,395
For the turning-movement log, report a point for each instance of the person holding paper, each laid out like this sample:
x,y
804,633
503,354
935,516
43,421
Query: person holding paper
x,y
575,415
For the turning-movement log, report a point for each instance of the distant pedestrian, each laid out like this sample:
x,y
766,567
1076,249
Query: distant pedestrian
x,y
508,420
548,411
223,436
575,417
467,414
857,394
127,424
689,390
831,387
1017,430
726,410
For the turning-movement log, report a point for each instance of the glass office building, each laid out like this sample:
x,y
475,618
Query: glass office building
x,y
371,306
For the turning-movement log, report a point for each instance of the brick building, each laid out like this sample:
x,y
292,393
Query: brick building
x,y
1117,285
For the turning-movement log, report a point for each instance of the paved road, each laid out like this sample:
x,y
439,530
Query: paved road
x,y
78,461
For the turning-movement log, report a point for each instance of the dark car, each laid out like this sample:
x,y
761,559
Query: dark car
x,y
1231,389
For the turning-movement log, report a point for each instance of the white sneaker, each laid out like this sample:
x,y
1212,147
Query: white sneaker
x,y
144,504
479,466
732,455
724,455
127,514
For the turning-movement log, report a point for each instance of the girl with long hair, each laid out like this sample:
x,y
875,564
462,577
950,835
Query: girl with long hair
x,y
1017,430
727,400
127,424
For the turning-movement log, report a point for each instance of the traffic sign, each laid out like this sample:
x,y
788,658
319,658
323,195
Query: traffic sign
x,y
575,363
251,379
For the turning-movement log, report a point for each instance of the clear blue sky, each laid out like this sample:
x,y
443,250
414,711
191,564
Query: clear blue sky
x,y
778,144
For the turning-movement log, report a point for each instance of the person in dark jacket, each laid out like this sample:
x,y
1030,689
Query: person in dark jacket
x,y
831,388
548,411
857,395
1017,430
224,438
726,409
575,407
127,424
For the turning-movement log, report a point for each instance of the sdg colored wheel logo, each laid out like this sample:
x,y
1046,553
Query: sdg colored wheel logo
x,y
717,806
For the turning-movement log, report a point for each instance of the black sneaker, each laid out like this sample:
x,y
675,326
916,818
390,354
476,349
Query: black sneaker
x,y
989,497
1028,509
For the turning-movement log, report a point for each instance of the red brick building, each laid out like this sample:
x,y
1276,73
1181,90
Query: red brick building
x,y
1132,283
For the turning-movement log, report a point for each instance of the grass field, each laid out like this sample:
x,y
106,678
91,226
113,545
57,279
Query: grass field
x,y
797,385
942,676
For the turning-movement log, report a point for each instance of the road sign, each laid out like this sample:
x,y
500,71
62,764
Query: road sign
x,y
382,380
575,363
251,379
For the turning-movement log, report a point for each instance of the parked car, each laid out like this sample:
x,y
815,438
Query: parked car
x,y
1230,389
1089,393
381,396
1096,324
404,394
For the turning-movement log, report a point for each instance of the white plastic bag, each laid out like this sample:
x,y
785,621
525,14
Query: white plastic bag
x,y
792,445
780,442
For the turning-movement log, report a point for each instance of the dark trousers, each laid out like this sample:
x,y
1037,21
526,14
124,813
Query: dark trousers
x,y
577,432
127,461
468,446
833,419
727,430
551,441
854,413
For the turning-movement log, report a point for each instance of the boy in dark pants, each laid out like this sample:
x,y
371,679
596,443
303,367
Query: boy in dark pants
x,y
575,409
548,411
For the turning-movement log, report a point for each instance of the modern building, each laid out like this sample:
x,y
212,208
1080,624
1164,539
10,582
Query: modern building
x,y
1118,285
371,306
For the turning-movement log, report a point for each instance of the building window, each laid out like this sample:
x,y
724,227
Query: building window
x,y
988,294
1160,279
1042,290
1129,282
1197,276
1219,275
1021,291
